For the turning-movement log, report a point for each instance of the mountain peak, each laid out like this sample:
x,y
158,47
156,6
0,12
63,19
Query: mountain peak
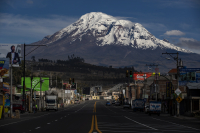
x,y
108,30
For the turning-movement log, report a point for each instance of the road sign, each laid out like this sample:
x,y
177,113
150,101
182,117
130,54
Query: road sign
x,y
178,91
179,99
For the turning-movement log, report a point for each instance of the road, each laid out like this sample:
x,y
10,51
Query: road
x,y
95,117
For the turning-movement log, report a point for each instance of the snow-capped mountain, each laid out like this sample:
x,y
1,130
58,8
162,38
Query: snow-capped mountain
x,y
109,30
104,40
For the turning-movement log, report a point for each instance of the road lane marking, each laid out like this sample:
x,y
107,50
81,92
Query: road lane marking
x,y
80,108
92,125
37,127
175,124
48,123
141,123
96,125
23,120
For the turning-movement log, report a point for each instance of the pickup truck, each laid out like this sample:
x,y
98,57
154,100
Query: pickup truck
x,y
154,107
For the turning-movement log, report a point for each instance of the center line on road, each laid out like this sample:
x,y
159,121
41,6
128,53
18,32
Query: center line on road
x,y
141,123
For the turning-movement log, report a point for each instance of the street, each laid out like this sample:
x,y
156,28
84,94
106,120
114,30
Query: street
x,y
95,116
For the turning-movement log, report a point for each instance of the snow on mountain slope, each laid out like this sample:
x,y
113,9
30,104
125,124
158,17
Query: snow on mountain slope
x,y
108,30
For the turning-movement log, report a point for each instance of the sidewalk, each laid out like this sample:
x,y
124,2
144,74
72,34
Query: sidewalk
x,y
185,117
28,114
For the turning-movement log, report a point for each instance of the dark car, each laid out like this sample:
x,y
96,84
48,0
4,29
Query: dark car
x,y
117,103
108,103
18,107
113,102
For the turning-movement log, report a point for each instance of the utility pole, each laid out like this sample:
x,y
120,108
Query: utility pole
x,y
63,90
24,80
24,99
11,108
156,75
177,67
56,82
144,85
31,93
51,79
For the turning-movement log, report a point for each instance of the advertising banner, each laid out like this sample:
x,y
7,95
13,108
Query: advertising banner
x,y
168,89
6,87
4,67
67,86
141,76
189,75
36,83
6,50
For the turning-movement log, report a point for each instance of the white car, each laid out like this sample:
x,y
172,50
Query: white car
x,y
76,102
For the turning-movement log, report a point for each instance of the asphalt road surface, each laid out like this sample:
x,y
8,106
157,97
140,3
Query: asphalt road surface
x,y
96,117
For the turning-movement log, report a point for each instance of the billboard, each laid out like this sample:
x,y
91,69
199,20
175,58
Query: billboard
x,y
6,50
6,87
189,75
67,86
4,67
140,76
36,83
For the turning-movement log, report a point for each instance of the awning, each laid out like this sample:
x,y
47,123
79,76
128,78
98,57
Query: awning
x,y
193,85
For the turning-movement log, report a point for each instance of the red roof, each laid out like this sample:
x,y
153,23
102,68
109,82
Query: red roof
x,y
173,71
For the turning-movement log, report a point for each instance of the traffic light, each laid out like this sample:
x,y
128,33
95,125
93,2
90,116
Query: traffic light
x,y
127,73
73,81
131,73
70,80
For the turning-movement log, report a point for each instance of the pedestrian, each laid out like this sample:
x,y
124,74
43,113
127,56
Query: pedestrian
x,y
36,108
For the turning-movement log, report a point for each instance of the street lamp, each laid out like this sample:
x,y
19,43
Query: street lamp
x,y
24,71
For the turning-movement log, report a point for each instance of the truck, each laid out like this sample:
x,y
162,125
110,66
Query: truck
x,y
51,99
138,104
154,107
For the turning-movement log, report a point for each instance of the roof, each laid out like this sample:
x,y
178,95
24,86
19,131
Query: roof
x,y
173,71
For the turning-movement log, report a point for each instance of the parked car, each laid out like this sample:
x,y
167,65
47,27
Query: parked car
x,y
108,103
117,103
87,99
76,102
113,102
18,107
126,105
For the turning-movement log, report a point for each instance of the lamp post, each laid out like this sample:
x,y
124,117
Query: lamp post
x,y
177,67
24,99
